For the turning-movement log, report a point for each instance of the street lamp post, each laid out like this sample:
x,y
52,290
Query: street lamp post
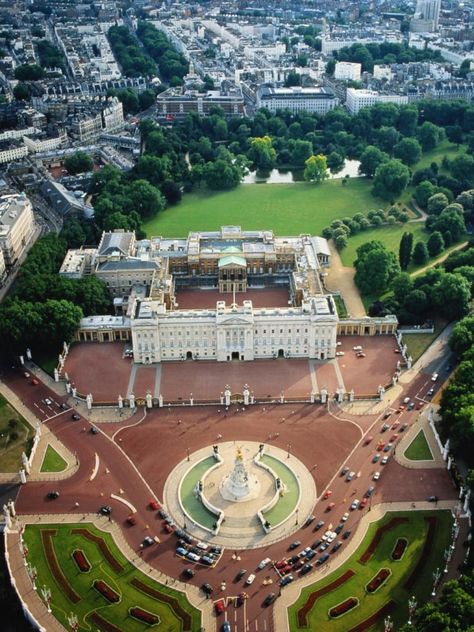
x,y
436,576
447,557
388,624
288,450
73,622
187,454
46,592
32,574
297,511
411,609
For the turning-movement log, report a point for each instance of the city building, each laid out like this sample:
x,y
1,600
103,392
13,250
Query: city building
x,y
296,99
347,71
224,295
177,102
17,226
3,269
426,16
358,99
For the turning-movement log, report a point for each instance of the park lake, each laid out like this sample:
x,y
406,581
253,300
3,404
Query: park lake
x,y
287,176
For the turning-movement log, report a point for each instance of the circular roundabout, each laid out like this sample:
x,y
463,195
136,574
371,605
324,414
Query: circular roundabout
x,y
240,494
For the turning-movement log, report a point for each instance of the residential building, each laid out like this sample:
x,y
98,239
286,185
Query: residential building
x,y
297,99
358,99
3,269
178,102
17,226
347,71
426,16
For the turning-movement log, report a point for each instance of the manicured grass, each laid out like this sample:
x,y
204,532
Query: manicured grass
x,y
52,461
191,503
340,306
287,209
418,343
445,148
388,235
288,501
419,450
64,543
415,531
11,448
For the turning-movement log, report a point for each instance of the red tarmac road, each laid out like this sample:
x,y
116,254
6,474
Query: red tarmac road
x,y
154,447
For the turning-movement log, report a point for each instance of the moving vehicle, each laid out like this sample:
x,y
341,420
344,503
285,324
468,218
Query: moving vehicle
x,y
189,572
286,580
294,545
207,588
52,495
148,541
105,510
318,525
264,563
240,574
327,493
434,377
269,599
131,520
250,579
75,417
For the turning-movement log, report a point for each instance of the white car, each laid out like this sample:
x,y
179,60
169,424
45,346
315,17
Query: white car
x,y
202,545
339,353
250,579
192,556
434,377
357,348
331,537
345,516
383,462
264,563
350,476
47,401
376,476
355,504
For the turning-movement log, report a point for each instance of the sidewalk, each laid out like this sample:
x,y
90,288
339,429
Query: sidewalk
x,y
37,607
422,423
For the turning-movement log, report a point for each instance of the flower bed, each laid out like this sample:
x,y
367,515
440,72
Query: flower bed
x,y
381,531
343,608
378,580
399,549
106,591
103,624
377,616
416,572
305,609
144,615
62,582
101,543
81,560
165,598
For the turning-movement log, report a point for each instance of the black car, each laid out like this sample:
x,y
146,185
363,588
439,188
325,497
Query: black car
x,y
189,572
315,544
52,495
293,560
162,513
294,545
306,568
147,541
269,599
318,525
310,555
94,430
75,417
339,528
240,574
105,510
346,534
324,558
207,588
433,499
63,406
216,549
336,547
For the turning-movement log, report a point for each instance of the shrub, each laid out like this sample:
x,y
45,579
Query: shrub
x,y
378,580
106,591
343,608
144,615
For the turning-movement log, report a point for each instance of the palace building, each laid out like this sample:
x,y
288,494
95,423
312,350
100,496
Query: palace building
x,y
223,295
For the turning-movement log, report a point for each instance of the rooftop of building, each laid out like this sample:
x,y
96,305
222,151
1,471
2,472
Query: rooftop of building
x,y
11,207
118,242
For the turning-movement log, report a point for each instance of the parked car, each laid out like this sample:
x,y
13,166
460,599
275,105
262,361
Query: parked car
x,y
411,406
193,556
180,550
344,470
346,534
330,506
240,574
384,428
219,606
369,491
131,519
355,504
375,458
189,572
384,460
376,476
34,381
206,559
306,568
403,427
148,540
368,440
294,545
293,559
315,544
202,545
250,579
345,516
226,627
310,555
327,493
94,430
319,525
75,417
47,401
207,588
336,547
363,503
434,377
286,580
269,599
264,563
309,520
52,495
154,505
388,447
350,476
105,510
324,558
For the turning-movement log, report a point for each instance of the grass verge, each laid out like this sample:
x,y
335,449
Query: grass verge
x,y
14,435
52,461
419,450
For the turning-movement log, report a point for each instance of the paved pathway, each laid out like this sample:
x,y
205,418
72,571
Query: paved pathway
x,y
422,424
341,279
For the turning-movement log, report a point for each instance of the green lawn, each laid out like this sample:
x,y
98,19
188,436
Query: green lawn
x,y
287,502
415,531
287,209
64,543
418,343
445,148
190,501
52,461
419,450
14,435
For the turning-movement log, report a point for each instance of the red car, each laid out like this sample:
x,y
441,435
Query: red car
x,y
167,527
363,503
393,438
368,440
219,606
380,446
327,493
395,424
153,505
281,564
330,506
286,569
34,381
131,519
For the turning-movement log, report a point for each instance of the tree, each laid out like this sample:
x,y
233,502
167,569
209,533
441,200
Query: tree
x,y
462,336
147,199
435,243
340,241
292,79
420,253
376,267
386,138
429,135
468,273
335,161
80,162
402,285
436,203
316,169
407,120
391,179
405,250
453,295
22,91
423,192
262,154
171,191
222,175
29,72
450,220
371,158
408,150
60,321
462,168
302,150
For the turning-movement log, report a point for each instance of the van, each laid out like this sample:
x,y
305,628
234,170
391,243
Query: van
x,y
434,377
406,400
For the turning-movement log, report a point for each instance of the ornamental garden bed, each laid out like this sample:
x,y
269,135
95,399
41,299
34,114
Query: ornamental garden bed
x,y
144,615
381,531
106,591
165,598
343,608
305,609
103,624
377,616
62,582
81,560
378,580
416,572
399,549
101,543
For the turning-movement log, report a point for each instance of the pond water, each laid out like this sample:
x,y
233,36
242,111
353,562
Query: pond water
x,y
285,176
